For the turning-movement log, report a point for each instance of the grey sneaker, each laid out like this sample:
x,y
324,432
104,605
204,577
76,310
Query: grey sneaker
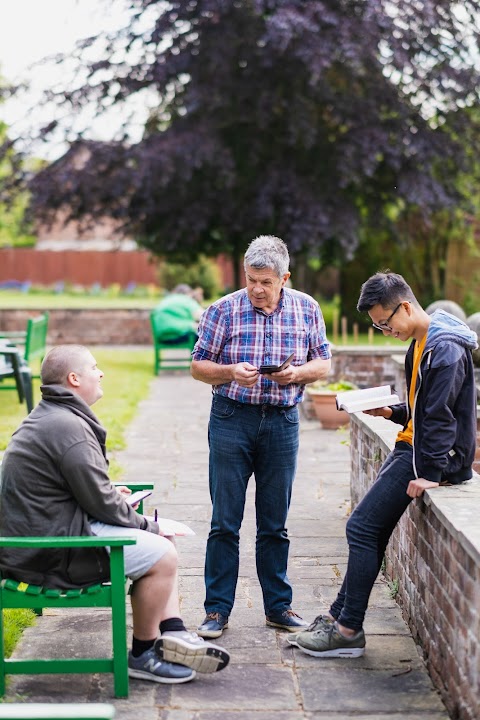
x,y
319,620
148,666
186,648
327,641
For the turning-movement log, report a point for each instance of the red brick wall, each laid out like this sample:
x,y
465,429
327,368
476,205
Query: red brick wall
x,y
434,555
86,327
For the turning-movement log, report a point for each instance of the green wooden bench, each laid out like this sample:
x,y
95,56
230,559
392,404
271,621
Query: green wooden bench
x,y
56,711
34,340
168,360
19,595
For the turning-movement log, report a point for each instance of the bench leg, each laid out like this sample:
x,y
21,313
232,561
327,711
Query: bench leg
x,y
2,655
119,623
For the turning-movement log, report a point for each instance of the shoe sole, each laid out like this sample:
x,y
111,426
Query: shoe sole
x,y
143,675
211,633
296,629
205,658
339,652
292,641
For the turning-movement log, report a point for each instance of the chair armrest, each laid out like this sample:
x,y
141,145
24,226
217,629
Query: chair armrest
x,y
63,542
133,486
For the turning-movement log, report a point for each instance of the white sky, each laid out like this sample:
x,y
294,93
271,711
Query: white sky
x,y
33,29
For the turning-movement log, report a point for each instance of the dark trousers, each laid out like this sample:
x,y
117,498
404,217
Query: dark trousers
x,y
246,439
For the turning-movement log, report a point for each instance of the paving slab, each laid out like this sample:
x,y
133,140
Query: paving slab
x,y
267,679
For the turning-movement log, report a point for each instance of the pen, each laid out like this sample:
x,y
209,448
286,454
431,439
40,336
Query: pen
x,y
155,515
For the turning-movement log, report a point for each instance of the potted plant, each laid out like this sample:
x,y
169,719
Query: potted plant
x,y
323,396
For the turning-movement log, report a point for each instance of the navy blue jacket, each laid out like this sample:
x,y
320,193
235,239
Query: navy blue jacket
x,y
445,407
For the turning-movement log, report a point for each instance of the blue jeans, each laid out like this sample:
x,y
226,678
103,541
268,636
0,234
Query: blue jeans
x,y
368,531
246,439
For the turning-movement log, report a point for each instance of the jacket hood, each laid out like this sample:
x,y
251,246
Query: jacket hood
x,y
59,395
444,326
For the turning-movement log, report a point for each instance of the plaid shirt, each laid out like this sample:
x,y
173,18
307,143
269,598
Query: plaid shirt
x,y
231,331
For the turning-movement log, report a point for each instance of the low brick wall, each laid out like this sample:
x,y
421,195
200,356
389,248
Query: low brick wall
x,y
368,365
86,326
434,555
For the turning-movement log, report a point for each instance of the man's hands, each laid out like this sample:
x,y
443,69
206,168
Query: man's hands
x,y
247,375
124,490
385,412
417,487
284,377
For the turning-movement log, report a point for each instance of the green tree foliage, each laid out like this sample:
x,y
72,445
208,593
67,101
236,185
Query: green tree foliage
x,y
12,228
302,119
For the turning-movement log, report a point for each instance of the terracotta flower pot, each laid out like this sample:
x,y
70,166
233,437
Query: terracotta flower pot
x,y
326,410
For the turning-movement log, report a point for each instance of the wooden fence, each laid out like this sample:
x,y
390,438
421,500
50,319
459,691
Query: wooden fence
x,y
86,267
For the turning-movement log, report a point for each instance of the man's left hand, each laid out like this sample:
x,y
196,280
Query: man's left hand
x,y
284,377
417,487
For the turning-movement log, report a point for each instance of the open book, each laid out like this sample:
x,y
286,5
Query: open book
x,y
171,527
358,400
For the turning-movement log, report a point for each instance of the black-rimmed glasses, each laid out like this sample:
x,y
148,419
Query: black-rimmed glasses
x,y
385,326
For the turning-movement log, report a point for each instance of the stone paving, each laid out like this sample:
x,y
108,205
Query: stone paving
x,y
266,679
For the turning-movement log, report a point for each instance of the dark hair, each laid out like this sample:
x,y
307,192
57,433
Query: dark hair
x,y
386,289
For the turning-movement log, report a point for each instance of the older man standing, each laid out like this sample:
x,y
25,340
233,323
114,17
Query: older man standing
x,y
254,424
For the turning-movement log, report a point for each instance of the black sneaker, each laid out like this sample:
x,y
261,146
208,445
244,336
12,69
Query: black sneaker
x,y
149,666
287,620
213,625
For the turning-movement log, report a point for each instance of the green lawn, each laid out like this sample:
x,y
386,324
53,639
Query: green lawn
x,y
46,301
128,374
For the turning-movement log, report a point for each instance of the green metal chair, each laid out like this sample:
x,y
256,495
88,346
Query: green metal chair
x,y
34,339
164,359
112,595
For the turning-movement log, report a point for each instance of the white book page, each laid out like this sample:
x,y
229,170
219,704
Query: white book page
x,y
367,399
172,527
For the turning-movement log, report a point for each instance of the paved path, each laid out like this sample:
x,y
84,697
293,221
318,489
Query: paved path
x,y
266,679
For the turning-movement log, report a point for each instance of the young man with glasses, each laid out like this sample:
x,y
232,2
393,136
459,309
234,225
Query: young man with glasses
x,y
435,446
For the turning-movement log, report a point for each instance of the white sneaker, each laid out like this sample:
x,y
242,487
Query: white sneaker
x,y
187,648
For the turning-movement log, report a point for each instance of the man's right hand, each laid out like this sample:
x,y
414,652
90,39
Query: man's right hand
x,y
245,374
385,412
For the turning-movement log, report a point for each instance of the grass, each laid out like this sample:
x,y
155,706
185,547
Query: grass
x,y
128,374
14,623
378,340
13,299
127,378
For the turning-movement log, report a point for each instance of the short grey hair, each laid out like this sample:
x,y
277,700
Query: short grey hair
x,y
268,251
60,361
